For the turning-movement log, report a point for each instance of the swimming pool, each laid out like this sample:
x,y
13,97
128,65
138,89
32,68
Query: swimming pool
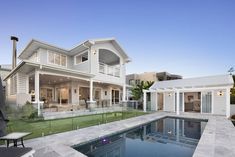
x,y
164,138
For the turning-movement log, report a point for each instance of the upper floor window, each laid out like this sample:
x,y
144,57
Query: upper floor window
x,y
132,82
81,58
34,57
56,58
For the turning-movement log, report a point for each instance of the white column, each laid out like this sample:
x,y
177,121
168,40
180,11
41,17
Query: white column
x,y
144,101
183,102
91,90
124,93
177,102
60,96
227,102
110,96
78,93
156,101
36,88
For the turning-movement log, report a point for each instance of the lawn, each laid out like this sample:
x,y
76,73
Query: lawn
x,y
48,127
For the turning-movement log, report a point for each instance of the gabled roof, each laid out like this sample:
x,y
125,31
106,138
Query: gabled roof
x,y
199,82
90,42
35,44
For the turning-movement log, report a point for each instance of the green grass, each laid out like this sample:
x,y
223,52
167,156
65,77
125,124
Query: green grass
x,y
48,127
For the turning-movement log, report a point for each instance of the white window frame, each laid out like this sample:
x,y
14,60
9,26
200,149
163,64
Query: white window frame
x,y
80,54
34,57
54,54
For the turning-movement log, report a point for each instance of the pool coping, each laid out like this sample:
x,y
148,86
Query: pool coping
x,y
214,141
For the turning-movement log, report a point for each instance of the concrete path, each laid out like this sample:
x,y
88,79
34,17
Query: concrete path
x,y
218,138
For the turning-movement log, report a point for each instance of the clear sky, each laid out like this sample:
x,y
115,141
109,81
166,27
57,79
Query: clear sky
x,y
186,37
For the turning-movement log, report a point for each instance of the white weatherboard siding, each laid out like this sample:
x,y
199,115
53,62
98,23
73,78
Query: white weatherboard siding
x,y
153,101
169,102
219,106
22,89
22,83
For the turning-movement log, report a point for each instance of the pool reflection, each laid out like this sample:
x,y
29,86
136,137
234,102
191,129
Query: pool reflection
x,y
165,137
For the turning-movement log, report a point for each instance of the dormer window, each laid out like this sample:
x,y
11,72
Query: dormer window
x,y
57,59
81,58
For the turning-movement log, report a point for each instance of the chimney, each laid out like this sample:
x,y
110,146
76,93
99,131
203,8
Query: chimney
x,y
14,39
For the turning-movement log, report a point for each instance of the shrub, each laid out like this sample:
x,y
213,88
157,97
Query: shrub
x,y
27,110
232,99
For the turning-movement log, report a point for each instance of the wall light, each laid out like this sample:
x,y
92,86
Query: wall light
x,y
94,52
169,94
220,93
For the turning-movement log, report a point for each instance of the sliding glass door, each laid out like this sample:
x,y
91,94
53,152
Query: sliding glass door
x,y
206,102
181,101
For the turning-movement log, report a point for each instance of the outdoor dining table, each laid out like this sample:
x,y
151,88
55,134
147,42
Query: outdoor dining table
x,y
15,137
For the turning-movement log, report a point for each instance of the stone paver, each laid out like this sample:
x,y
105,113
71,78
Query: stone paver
x,y
218,138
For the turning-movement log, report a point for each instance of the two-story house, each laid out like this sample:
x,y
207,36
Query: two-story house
x,y
89,75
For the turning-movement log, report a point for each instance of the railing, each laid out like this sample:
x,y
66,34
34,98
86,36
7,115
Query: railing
x,y
109,70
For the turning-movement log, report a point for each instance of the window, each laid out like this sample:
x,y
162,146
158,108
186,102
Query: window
x,y
81,58
56,58
34,57
63,60
51,57
137,81
132,82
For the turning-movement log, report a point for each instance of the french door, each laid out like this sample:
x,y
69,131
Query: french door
x,y
115,96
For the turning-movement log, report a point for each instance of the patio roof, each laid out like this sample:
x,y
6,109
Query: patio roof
x,y
199,82
28,66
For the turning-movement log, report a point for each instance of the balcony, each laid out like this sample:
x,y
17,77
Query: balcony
x,y
109,70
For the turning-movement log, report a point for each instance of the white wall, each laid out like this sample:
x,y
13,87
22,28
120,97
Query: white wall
x,y
74,95
22,83
22,89
169,101
219,102
153,101
22,98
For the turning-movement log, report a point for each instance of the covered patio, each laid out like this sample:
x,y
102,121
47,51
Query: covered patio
x,y
62,93
210,95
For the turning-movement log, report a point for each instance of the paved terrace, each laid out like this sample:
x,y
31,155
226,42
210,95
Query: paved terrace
x,y
218,138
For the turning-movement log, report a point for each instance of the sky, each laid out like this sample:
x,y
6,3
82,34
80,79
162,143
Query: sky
x,y
187,37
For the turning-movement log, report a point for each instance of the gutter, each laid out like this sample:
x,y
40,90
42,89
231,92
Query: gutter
x,y
59,69
49,67
14,70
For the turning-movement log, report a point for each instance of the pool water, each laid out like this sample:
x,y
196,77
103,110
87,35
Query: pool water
x,y
168,137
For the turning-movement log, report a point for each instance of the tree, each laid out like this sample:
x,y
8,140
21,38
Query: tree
x,y
137,91
232,95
